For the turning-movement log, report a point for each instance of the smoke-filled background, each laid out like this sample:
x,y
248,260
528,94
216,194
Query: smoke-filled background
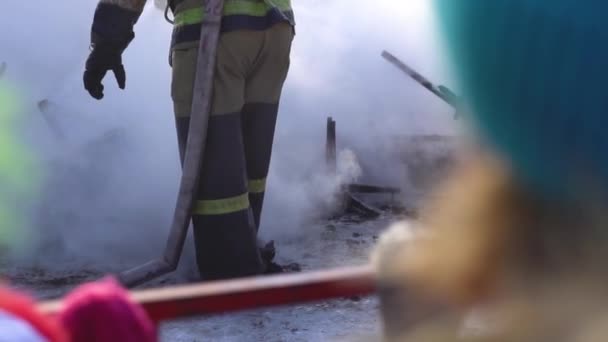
x,y
109,169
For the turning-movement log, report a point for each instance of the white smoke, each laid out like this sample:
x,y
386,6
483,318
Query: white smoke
x,y
337,71
112,180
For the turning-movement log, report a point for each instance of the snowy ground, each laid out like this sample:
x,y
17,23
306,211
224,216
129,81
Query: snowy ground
x,y
335,244
342,242
113,242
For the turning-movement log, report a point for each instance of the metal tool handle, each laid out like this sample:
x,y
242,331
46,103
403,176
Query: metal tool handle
x,y
195,148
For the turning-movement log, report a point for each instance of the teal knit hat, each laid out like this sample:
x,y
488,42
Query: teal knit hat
x,y
535,74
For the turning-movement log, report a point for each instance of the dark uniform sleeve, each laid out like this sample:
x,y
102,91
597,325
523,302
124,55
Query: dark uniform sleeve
x,y
114,21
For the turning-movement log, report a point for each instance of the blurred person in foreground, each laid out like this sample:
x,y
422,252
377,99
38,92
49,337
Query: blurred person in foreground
x,y
103,312
514,246
20,320
19,174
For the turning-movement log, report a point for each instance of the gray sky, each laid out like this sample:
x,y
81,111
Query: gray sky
x,y
336,70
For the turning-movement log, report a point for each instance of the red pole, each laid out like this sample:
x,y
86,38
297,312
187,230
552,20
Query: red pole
x,y
249,293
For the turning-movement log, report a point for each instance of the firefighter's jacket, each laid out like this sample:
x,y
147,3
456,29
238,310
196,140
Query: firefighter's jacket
x,y
114,19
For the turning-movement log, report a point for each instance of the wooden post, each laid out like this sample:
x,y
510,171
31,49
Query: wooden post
x,y
330,147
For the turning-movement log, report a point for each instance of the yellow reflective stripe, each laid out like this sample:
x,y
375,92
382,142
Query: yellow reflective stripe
x,y
282,5
189,17
222,206
256,9
257,186
234,7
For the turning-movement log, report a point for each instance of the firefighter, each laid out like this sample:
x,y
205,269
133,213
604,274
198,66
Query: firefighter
x,y
518,232
252,63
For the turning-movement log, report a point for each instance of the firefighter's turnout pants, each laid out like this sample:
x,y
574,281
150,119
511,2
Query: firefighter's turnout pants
x,y
251,68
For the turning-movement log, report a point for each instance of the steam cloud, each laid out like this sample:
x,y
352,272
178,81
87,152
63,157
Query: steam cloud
x,y
112,168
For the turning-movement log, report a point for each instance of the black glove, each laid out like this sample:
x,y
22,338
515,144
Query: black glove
x,y
111,33
103,58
